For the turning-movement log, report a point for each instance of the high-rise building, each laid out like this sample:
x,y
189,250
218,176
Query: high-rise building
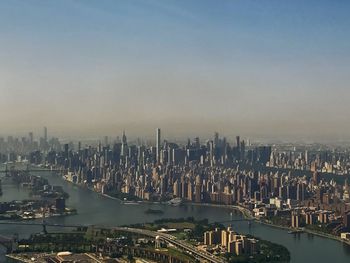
x,y
231,247
295,220
211,153
176,189
346,220
301,191
238,143
31,138
208,238
316,178
239,248
310,218
158,145
216,139
212,237
224,238
198,187
45,134
124,145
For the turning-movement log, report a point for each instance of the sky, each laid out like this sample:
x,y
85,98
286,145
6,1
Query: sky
x,y
274,69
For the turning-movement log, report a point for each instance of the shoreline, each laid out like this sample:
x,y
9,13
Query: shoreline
x,y
244,211
307,231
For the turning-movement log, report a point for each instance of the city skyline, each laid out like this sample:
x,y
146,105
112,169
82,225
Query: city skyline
x,y
177,131
90,68
147,136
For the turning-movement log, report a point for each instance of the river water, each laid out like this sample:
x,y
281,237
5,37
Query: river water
x,y
96,209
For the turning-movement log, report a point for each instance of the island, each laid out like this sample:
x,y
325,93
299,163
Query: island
x,y
34,209
45,200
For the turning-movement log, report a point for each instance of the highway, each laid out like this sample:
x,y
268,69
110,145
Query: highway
x,y
199,254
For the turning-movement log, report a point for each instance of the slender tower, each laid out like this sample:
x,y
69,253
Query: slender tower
x,y
45,134
158,145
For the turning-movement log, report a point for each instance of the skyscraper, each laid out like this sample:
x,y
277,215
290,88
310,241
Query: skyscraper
x,y
31,138
158,145
238,148
216,139
45,134
124,145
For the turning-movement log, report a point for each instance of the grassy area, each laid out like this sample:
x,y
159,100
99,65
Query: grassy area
x,y
180,225
75,242
180,235
179,254
268,252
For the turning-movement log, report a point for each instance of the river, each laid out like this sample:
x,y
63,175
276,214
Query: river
x,y
96,209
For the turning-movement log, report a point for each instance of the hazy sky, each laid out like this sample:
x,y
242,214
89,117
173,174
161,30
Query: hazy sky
x,y
257,68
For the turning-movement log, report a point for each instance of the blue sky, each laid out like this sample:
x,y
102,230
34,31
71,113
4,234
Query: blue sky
x,y
260,68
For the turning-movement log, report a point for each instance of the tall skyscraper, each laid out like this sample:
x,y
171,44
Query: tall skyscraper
x,y
31,138
124,145
45,134
238,143
211,153
158,145
216,139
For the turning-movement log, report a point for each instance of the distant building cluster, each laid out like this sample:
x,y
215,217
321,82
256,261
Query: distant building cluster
x,y
272,181
227,240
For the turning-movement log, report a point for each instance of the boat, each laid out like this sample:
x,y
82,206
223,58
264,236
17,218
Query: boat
x,y
129,202
295,231
175,201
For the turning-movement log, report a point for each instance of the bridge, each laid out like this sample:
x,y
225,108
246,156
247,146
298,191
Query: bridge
x,y
249,220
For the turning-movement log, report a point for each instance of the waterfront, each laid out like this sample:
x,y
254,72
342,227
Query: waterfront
x,y
97,209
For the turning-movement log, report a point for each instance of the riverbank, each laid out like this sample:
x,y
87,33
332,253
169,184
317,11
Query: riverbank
x,y
305,230
245,212
324,235
248,215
